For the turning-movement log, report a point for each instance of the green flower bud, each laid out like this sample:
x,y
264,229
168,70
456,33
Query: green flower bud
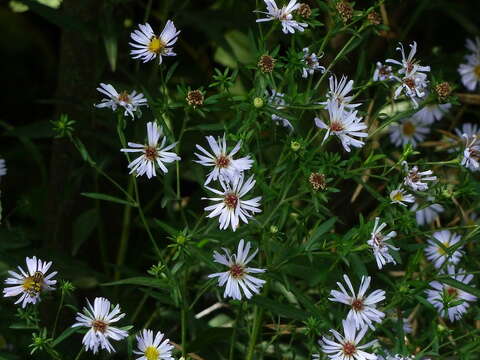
x,y
258,102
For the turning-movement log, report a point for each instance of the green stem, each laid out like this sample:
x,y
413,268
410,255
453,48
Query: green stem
x,y
127,211
184,320
234,334
58,313
79,354
257,320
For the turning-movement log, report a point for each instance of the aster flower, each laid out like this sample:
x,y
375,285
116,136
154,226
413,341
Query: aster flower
x,y
408,131
283,14
237,280
470,130
28,285
438,254
448,300
153,348
381,245
432,112
99,319
400,196
147,46
471,153
230,207
152,153
345,125
470,71
416,179
311,63
363,308
130,102
428,214
382,72
276,100
338,93
346,347
409,65
223,163
413,86
3,168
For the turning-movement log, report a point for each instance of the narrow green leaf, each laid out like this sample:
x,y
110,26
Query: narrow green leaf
x,y
83,227
461,286
67,333
141,281
110,198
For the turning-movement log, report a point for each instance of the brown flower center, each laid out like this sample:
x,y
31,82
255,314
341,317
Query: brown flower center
x,y
357,305
123,96
336,126
408,128
195,98
349,349
237,271
99,326
452,292
222,161
477,71
409,82
384,71
151,153
318,181
231,200
309,61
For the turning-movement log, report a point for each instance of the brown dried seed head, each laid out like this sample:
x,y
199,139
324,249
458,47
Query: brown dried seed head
x,y
266,63
195,98
443,90
317,181
345,10
304,11
374,18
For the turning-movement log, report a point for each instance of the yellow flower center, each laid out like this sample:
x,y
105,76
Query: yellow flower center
x,y
33,284
441,251
156,45
151,353
397,196
477,71
123,96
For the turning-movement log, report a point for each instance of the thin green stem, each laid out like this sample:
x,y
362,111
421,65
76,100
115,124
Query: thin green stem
x,y
57,316
233,338
79,354
122,249
257,321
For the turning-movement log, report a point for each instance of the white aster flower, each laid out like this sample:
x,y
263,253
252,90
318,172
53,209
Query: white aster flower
x,y
468,131
381,245
471,153
130,102
230,206
470,71
409,65
382,72
408,131
432,112
345,125
400,196
416,179
338,93
346,347
153,348
152,153
363,308
237,279
31,283
283,14
223,163
276,100
439,254
147,46
413,86
3,168
450,301
428,214
311,63
98,318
